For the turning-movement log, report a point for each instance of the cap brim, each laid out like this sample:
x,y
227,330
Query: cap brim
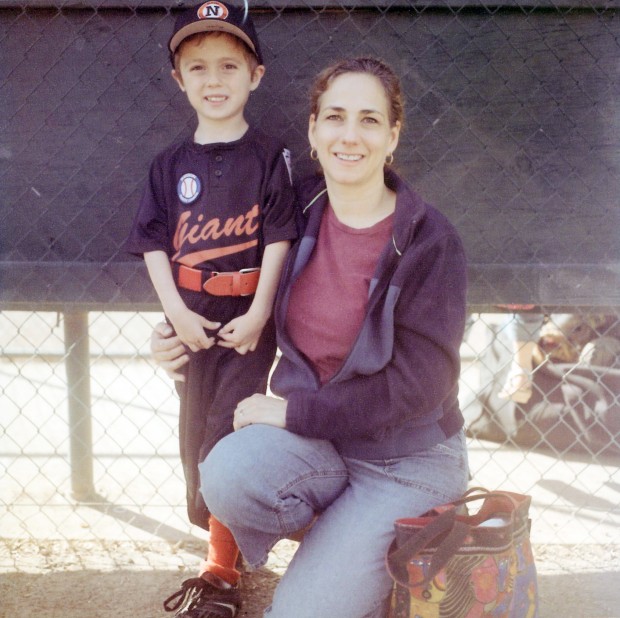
x,y
209,26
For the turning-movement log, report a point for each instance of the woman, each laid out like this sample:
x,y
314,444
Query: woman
x,y
370,314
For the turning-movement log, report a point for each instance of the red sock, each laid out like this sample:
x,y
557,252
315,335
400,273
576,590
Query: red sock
x,y
222,554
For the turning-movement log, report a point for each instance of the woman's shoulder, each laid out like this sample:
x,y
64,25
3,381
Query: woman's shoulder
x,y
417,218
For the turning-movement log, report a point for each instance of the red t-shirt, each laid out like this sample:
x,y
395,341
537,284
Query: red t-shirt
x,y
328,301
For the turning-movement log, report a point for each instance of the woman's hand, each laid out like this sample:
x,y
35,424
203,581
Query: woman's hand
x,y
260,409
168,351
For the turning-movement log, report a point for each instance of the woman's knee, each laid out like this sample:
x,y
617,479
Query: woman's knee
x,y
241,465
222,473
262,466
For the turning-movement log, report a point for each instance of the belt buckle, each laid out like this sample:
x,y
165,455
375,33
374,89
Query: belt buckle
x,y
215,273
244,271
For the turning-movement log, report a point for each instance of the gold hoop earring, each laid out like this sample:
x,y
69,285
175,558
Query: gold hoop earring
x,y
389,159
314,155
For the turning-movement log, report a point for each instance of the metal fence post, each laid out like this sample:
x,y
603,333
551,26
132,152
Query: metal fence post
x,y
77,363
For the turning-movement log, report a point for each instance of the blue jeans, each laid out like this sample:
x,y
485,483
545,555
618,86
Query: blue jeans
x,y
265,483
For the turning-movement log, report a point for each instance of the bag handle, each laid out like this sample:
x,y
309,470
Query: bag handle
x,y
445,522
469,496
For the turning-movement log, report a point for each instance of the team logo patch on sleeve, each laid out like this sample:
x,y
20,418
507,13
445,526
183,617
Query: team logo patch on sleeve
x,y
188,188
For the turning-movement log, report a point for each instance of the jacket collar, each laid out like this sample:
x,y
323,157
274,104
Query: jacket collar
x,y
410,208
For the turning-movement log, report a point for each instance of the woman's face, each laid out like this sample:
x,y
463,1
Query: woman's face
x,y
351,131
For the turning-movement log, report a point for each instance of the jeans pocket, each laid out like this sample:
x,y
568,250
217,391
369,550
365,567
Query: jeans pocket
x,y
441,470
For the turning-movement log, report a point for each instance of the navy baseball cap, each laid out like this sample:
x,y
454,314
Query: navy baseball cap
x,y
215,16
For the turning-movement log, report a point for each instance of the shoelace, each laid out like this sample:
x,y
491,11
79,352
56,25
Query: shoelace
x,y
189,588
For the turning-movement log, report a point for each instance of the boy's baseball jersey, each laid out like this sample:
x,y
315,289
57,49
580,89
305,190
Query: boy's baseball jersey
x,y
215,207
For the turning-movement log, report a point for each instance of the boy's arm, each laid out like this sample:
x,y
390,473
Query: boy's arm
x,y
274,256
243,332
188,325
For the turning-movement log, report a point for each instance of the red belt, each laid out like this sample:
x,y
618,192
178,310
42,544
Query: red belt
x,y
241,283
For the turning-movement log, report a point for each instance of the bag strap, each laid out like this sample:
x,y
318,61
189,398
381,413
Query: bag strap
x,y
502,495
444,523
471,490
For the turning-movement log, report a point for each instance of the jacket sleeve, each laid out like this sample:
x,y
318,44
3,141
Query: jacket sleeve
x,y
429,318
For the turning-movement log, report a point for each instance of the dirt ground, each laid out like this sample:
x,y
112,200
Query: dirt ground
x,y
97,579
61,579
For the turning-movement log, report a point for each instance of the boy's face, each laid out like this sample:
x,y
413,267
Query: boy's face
x,y
217,77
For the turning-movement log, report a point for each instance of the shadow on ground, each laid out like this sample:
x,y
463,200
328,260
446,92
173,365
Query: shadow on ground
x,y
127,594
120,594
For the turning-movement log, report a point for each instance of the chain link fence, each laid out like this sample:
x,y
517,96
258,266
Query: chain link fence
x,y
512,130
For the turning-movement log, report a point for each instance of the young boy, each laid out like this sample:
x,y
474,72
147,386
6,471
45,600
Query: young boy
x,y
214,226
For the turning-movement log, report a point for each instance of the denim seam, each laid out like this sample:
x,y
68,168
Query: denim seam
x,y
281,494
311,475
431,491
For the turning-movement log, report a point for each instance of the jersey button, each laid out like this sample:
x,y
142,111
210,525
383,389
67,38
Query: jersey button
x,y
219,158
218,173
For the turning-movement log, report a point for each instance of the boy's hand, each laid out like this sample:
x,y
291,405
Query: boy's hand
x,y
241,333
190,328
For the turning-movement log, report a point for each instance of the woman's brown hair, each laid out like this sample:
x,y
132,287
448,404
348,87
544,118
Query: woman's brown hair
x,y
370,66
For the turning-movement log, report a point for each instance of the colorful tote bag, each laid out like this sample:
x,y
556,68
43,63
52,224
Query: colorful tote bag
x,y
451,564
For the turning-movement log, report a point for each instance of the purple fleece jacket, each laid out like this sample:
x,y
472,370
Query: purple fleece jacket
x,y
396,392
